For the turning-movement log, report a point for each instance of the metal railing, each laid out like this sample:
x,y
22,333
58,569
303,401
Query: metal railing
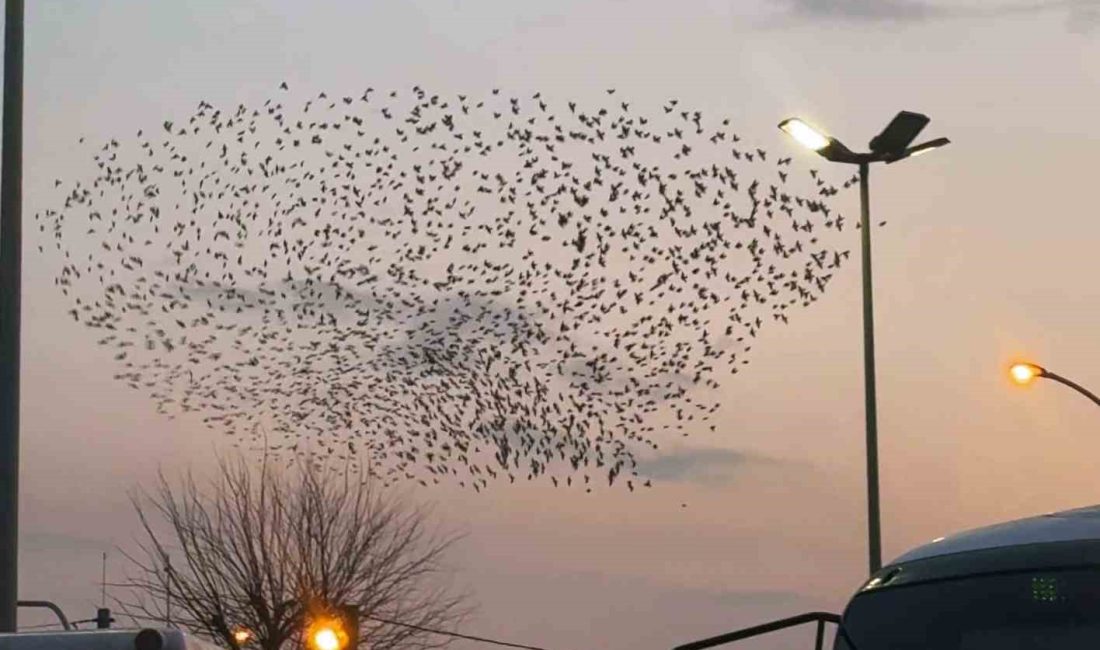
x,y
821,617
45,604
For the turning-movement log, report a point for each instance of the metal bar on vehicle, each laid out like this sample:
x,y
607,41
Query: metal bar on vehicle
x,y
45,604
821,617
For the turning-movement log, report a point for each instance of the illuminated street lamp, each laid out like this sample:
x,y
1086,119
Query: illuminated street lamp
x,y
890,146
327,634
326,638
806,135
336,632
242,636
1024,373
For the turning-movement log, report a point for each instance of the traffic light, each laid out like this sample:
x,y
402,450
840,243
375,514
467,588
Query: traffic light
x,y
103,618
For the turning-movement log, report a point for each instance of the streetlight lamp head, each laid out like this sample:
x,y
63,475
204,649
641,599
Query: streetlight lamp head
x,y
899,133
326,639
804,134
242,635
327,634
1024,373
919,149
826,146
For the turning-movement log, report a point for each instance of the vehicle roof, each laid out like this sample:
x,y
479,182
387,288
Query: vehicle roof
x,y
98,640
1067,525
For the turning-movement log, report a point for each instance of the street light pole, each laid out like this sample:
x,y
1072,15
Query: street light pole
x,y
874,530
1075,386
890,146
1023,373
11,248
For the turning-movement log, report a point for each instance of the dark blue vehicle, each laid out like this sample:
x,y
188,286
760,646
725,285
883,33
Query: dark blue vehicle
x,y
1032,583
1029,584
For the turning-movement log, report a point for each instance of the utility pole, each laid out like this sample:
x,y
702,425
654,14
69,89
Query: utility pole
x,y
11,253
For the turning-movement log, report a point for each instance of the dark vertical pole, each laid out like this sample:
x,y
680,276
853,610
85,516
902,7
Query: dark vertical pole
x,y
874,539
11,249
168,593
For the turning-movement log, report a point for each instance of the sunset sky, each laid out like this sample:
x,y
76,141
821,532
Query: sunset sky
x,y
989,255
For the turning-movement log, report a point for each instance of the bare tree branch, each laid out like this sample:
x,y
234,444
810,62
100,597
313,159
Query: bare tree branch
x,y
268,548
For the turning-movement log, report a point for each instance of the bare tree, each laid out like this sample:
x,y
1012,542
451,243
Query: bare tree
x,y
270,548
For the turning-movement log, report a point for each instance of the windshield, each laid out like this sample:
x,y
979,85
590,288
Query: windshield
x,y
1033,611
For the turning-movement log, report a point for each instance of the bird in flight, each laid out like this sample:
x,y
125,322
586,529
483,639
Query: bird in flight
x,y
451,289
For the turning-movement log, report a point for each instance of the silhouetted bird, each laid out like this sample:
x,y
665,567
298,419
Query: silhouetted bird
x,y
435,289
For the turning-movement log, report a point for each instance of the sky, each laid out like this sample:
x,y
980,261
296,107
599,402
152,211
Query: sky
x,y
988,256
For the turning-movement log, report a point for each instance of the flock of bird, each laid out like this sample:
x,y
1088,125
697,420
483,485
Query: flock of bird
x,y
459,288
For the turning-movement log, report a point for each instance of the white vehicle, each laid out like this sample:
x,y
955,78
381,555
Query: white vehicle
x,y
146,639
1031,584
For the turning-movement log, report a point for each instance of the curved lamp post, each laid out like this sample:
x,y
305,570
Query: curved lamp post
x,y
1024,373
890,146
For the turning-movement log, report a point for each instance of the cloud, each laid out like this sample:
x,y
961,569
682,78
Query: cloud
x,y
1083,19
705,465
871,10
1082,15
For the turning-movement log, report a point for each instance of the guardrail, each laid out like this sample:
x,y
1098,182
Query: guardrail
x,y
821,617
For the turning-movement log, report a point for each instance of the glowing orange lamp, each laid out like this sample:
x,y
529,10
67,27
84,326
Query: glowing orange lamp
x,y
1024,373
327,634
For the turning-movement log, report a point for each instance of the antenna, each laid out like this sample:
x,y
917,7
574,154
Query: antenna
x,y
103,583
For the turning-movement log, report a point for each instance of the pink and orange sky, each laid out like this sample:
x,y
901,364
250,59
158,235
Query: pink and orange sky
x,y
989,254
